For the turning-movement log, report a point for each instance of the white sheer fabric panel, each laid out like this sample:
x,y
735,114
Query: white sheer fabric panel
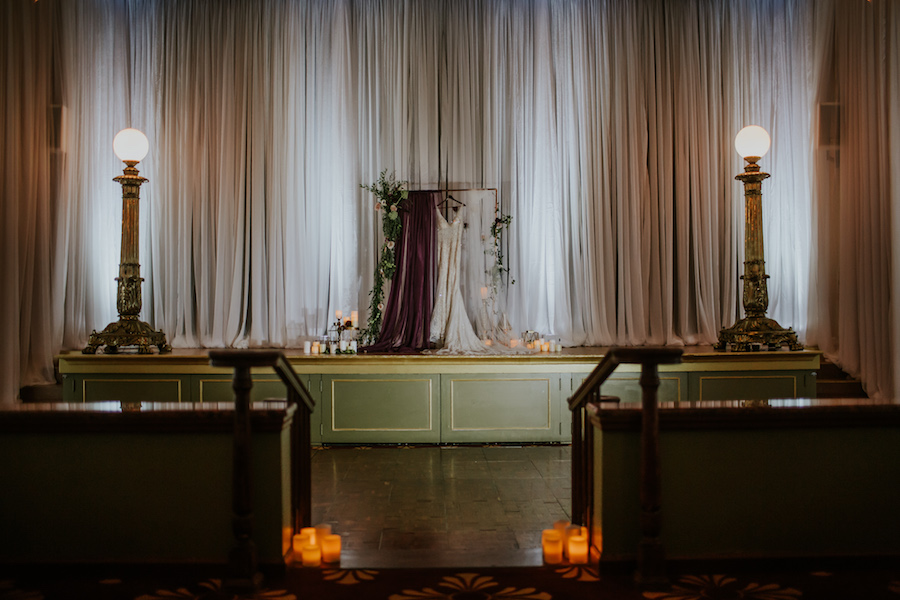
x,y
26,215
854,315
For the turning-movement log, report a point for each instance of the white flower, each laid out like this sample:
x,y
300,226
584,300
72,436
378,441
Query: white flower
x,y
378,206
390,245
393,208
380,306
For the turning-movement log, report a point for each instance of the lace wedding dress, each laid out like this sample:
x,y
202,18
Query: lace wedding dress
x,y
451,329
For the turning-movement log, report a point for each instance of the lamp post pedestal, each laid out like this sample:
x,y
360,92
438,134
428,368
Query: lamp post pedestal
x,y
755,329
129,330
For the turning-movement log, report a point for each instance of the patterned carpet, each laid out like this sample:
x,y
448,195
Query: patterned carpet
x,y
540,583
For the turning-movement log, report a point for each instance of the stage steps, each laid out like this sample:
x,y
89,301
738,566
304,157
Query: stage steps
x,y
832,382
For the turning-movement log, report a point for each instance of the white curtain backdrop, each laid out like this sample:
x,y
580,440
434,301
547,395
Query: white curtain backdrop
x,y
606,127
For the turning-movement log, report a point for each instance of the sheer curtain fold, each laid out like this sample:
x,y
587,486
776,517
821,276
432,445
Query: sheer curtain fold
x,y
606,127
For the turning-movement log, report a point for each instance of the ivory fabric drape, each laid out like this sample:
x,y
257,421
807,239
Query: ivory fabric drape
x,y
607,128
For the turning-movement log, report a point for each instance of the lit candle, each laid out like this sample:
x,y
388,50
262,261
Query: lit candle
x,y
561,526
316,348
488,342
331,548
552,544
354,318
513,343
545,347
297,543
322,530
338,314
343,345
310,533
578,550
312,556
332,347
570,531
307,347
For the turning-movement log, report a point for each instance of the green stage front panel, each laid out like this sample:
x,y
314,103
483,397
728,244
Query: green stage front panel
x,y
627,387
760,385
399,409
133,388
218,388
500,408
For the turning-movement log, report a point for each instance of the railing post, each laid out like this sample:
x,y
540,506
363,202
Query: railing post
x,y
651,556
242,560
302,463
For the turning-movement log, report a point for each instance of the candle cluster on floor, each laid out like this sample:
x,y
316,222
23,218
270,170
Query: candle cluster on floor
x,y
565,542
315,545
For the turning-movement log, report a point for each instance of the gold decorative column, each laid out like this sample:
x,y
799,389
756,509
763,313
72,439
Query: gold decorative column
x,y
755,329
129,331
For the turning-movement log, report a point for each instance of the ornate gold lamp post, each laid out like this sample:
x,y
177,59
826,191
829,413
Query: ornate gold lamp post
x,y
131,146
755,329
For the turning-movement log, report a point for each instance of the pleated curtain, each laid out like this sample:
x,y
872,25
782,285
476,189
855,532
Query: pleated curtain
x,y
607,128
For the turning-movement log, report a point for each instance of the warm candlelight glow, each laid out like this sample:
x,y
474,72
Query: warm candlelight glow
x,y
354,318
310,533
312,556
484,293
552,545
338,314
331,548
297,543
578,550
322,530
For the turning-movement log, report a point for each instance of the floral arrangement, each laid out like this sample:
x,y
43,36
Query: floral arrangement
x,y
500,223
390,196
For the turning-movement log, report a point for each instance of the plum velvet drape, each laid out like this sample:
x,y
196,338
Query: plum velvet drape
x,y
407,314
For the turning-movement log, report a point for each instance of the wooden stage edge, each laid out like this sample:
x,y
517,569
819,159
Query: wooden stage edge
x,y
574,360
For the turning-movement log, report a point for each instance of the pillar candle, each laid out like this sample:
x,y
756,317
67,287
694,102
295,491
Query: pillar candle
x,y
316,348
513,343
353,345
331,548
338,314
310,533
312,556
343,345
322,530
297,543
578,550
545,347
307,347
354,318
552,545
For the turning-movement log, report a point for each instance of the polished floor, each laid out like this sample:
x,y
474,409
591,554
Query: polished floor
x,y
451,506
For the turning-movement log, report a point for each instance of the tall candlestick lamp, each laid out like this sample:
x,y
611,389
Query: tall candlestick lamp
x,y
131,146
755,329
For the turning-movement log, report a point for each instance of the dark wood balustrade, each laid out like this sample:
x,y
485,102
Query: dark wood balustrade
x,y
650,554
243,563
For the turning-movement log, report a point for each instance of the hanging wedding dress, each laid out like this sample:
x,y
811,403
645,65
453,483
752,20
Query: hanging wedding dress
x,y
451,329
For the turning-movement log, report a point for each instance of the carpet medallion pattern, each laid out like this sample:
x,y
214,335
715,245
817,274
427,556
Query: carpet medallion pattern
x,y
561,582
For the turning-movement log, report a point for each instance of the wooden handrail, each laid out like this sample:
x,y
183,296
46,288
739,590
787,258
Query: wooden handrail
x,y
651,556
242,560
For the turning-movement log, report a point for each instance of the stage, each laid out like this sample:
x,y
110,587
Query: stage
x,y
411,399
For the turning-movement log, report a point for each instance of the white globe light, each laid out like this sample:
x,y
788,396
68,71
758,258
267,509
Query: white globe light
x,y
131,145
752,140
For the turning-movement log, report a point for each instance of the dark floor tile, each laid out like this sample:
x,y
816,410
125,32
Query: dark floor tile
x,y
514,469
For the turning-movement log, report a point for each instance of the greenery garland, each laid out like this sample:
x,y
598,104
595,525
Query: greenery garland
x,y
390,196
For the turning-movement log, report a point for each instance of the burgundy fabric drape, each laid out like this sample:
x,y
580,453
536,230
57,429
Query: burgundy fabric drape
x,y
407,315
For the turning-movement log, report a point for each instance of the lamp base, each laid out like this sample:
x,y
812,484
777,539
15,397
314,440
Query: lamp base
x,y
750,333
127,332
